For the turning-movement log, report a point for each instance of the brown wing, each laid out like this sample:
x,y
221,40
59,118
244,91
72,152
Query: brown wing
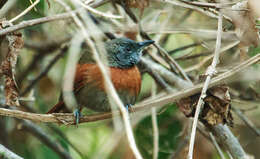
x,y
84,73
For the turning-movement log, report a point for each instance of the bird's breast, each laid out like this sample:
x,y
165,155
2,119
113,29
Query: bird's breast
x,y
90,86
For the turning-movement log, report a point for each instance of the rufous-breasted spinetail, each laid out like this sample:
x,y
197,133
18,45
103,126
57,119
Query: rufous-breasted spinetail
x,y
122,54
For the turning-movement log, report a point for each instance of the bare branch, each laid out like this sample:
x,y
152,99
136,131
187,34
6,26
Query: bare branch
x,y
40,134
7,154
216,146
210,72
25,11
247,121
226,137
28,23
156,102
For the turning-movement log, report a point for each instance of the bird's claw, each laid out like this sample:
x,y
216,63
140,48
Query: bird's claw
x,y
129,107
77,115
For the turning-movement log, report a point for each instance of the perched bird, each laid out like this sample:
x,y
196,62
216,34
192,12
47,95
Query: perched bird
x,y
123,54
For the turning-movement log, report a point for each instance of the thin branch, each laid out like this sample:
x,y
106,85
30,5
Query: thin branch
x,y
42,50
7,6
155,127
183,48
212,5
106,15
196,8
25,11
44,72
7,154
166,74
247,121
217,146
68,118
223,133
40,134
28,23
210,72
110,90
163,52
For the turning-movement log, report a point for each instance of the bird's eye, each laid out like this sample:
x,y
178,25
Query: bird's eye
x,y
128,49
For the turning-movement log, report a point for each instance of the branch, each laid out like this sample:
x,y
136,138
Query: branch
x,y
210,72
39,133
68,118
223,133
247,121
173,64
25,11
216,146
44,72
51,18
7,154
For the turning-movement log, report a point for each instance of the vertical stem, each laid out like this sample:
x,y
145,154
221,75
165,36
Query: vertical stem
x,y
210,72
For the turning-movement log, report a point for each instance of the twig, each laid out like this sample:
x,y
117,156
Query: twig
x,y
44,72
166,74
212,5
25,11
155,127
247,121
210,72
226,137
185,57
7,154
40,134
157,102
33,22
112,94
42,49
216,146
183,48
106,15
7,6
206,59
157,77
163,52
189,6
51,18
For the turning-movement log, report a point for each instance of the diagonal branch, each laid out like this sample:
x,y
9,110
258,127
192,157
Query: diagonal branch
x,y
210,72
7,154
157,102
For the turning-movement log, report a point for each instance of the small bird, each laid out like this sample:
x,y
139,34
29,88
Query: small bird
x,y
122,54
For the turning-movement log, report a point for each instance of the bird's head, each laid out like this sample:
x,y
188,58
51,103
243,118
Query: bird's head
x,y
125,53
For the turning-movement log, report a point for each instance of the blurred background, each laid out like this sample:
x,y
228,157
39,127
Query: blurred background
x,y
188,34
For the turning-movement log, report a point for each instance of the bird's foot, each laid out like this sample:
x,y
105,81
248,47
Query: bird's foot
x,y
77,115
129,108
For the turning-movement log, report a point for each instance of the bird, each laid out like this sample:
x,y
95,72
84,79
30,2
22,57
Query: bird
x,y
123,55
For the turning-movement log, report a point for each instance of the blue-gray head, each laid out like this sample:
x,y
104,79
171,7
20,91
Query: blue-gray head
x,y
125,53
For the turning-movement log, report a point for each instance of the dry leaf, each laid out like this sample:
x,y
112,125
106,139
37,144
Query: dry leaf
x,y
7,68
216,108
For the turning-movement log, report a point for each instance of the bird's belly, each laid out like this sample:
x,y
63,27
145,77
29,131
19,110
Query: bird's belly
x,y
97,100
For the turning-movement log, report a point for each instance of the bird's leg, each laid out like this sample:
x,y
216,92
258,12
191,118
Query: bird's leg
x,y
77,115
129,107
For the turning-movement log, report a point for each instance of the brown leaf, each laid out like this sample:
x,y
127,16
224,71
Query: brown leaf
x,y
7,68
216,108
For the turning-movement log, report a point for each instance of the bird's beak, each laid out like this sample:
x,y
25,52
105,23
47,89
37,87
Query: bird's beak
x,y
145,43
